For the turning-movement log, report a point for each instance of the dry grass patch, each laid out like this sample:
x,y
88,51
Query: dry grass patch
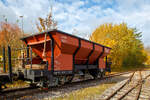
x,y
17,84
85,93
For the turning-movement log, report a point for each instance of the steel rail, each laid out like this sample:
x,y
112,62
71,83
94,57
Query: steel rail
x,y
140,87
109,97
122,96
139,83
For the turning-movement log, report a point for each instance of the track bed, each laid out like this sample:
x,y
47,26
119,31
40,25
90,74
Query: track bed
x,y
37,93
134,88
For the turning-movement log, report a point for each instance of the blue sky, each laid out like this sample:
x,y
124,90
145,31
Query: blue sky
x,y
81,15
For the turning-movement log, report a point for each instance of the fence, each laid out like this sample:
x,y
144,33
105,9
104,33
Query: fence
x,y
14,58
21,57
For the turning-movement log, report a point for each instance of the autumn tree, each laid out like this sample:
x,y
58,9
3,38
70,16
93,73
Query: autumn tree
x,y
46,23
127,48
10,34
147,50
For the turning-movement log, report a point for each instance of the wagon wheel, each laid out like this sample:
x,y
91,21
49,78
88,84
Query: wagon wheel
x,y
94,73
61,80
102,74
65,79
33,85
69,79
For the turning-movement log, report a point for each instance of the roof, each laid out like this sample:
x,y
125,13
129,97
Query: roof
x,y
55,30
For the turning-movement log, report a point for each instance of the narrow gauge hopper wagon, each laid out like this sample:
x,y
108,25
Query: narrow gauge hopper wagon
x,y
59,56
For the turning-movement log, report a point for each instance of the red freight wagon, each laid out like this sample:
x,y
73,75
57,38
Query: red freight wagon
x,y
59,56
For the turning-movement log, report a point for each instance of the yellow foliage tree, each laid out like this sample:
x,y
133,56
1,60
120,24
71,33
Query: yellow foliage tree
x,y
127,48
147,50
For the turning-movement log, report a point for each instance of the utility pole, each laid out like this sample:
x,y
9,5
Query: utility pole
x,y
32,27
22,25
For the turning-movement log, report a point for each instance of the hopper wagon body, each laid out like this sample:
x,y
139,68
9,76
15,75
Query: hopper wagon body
x,y
59,56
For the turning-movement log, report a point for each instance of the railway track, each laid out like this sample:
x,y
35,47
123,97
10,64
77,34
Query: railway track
x,y
17,93
129,90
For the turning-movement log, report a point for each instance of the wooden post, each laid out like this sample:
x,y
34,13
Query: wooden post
x,y
9,64
4,61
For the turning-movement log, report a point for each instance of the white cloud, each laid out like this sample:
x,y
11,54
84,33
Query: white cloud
x,y
82,15
30,9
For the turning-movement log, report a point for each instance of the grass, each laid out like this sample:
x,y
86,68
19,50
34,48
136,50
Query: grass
x,y
17,84
86,93
1,67
129,68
